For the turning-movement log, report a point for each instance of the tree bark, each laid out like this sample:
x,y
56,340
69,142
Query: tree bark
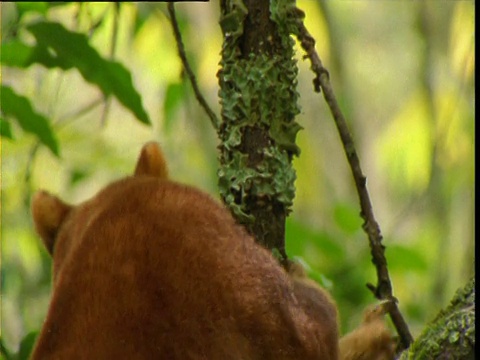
x,y
258,130
451,335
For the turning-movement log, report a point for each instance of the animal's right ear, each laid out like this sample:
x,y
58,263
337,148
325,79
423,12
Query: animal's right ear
x,y
48,212
151,162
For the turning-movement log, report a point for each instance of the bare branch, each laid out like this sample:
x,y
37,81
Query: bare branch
x,y
383,289
191,76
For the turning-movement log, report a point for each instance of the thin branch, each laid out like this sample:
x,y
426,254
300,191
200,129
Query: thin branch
x,y
113,47
383,290
191,76
62,121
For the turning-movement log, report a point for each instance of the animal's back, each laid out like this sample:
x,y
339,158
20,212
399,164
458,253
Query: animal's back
x,y
152,269
160,270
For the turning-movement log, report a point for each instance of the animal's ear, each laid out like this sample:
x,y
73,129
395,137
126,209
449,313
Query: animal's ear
x,y
48,212
151,162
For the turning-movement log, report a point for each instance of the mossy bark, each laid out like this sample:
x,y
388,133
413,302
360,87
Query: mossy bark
x,y
258,78
451,335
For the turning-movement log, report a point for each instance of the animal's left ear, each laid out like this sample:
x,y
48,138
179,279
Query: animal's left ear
x,y
48,212
151,162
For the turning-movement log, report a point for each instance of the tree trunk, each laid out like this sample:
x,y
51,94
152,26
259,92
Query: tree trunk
x,y
451,335
258,78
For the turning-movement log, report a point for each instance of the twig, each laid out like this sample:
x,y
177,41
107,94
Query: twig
x,y
191,76
62,121
113,47
383,290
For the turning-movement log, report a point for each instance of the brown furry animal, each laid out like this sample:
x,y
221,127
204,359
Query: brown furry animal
x,y
372,340
152,269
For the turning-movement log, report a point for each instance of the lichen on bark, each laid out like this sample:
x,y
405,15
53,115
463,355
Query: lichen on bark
x,y
451,335
258,79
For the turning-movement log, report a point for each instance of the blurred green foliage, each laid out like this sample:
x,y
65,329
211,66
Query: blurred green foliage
x,y
403,73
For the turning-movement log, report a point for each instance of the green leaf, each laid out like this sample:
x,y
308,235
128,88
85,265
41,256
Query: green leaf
x,y
5,354
72,50
347,218
318,277
77,175
405,258
38,7
16,53
5,129
19,107
297,235
26,346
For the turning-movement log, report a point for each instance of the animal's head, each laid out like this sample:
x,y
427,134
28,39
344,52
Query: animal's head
x,y
54,219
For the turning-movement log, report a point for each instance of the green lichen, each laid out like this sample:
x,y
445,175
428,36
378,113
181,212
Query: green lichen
x,y
273,177
231,23
452,333
260,90
286,14
257,90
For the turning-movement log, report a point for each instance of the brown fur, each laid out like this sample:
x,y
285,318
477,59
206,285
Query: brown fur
x,y
372,340
152,269
313,300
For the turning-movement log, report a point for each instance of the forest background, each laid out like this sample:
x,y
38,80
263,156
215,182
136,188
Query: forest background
x,y
404,76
